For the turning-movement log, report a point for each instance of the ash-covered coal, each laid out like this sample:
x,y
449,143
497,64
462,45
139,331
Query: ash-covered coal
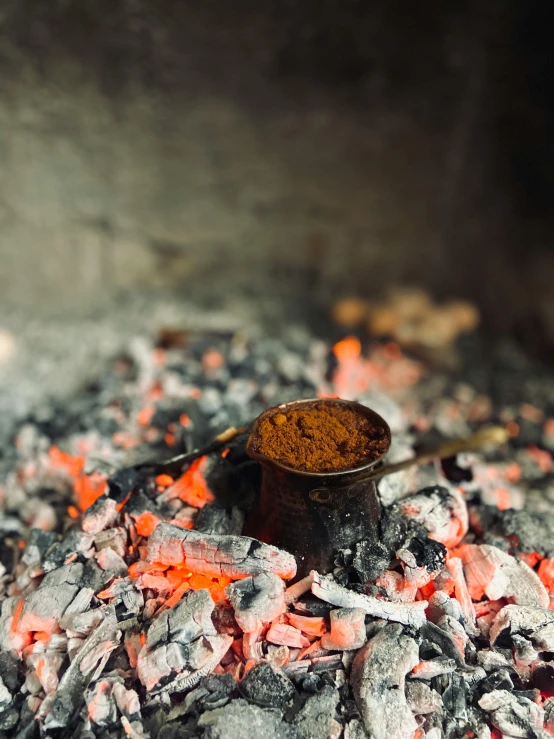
x,y
132,606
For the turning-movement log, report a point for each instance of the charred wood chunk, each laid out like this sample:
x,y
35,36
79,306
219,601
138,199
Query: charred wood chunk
x,y
266,685
241,720
513,715
347,629
491,572
317,715
536,625
257,600
410,614
213,554
378,681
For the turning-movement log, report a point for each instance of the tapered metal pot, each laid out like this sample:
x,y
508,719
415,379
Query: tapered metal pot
x,y
312,514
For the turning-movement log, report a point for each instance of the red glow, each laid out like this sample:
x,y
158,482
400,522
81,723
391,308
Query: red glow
x,y
89,488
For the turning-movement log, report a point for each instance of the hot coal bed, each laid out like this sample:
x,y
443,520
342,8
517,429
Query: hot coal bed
x,y
132,606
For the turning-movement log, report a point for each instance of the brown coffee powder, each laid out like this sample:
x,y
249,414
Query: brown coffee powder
x,y
323,437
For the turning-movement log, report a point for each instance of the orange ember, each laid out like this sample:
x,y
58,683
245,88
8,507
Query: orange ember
x,y
89,488
347,350
72,466
192,487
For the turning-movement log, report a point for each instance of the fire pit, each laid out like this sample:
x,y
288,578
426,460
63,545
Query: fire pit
x,y
134,604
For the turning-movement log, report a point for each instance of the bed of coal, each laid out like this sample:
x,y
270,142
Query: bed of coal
x,y
132,606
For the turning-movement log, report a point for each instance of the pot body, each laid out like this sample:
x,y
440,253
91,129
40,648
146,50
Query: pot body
x,y
311,515
313,518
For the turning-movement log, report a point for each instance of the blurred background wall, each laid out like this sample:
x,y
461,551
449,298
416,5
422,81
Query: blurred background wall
x,y
277,150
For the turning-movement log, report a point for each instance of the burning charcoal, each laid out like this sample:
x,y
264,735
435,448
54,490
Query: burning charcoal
x,y
183,623
101,514
326,589
182,645
101,704
211,554
110,561
316,716
441,604
257,600
242,720
347,629
370,559
493,573
513,715
378,679
441,511
534,624
74,541
428,669
266,685
421,698
70,694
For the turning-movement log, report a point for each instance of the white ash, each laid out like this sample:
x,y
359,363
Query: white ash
x,y
378,680
329,591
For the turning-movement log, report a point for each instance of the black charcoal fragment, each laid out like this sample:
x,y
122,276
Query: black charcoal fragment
x,y
315,717
266,685
242,720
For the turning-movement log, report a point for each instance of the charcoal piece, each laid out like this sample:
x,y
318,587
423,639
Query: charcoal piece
x,y
428,553
123,482
212,519
347,629
315,717
378,681
370,559
74,541
10,671
421,698
542,677
139,502
219,689
454,698
213,554
499,680
445,641
428,650
311,682
94,577
183,623
354,729
535,624
266,685
70,694
513,715
37,545
257,600
5,696
440,511
101,514
242,720
441,604
548,707
410,614
8,719
491,572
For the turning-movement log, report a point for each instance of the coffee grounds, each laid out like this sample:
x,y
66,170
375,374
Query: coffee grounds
x,y
321,438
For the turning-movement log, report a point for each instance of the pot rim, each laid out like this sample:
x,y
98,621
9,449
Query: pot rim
x,y
283,407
